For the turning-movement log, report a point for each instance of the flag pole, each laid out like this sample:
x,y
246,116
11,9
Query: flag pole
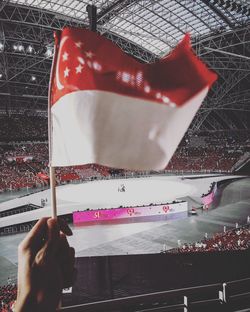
x,y
91,9
51,168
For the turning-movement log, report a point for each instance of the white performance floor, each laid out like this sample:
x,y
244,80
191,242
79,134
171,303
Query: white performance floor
x,y
140,237
119,238
104,194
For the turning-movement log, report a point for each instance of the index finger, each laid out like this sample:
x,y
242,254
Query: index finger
x,y
53,236
35,234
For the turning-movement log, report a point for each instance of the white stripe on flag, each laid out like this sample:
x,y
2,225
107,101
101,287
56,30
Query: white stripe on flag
x,y
118,131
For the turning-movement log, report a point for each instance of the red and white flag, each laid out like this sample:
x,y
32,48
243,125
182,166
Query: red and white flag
x,y
107,108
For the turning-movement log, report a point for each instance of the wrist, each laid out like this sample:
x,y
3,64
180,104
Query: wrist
x,y
25,303
29,304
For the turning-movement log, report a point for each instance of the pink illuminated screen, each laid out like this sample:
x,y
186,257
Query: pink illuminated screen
x,y
208,199
128,212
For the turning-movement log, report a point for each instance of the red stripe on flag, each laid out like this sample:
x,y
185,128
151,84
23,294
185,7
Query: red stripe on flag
x,y
88,61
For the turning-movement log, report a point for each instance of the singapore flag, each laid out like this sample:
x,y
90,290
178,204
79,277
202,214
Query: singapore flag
x,y
107,108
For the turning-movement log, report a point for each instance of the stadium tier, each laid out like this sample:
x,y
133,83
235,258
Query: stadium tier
x,y
25,164
129,84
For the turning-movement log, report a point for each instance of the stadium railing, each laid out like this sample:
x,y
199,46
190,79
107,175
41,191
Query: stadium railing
x,y
220,296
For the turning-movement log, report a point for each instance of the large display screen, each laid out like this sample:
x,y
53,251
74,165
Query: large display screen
x,y
128,212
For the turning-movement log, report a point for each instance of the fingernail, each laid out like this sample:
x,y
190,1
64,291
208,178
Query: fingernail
x,y
69,231
64,227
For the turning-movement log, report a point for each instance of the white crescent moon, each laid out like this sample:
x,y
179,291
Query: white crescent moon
x,y
60,86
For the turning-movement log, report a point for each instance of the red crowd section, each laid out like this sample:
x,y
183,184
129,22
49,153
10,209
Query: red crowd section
x,y
233,240
8,295
16,176
204,159
19,173
24,136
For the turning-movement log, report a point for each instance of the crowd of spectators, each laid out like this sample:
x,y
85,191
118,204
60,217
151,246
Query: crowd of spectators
x,y
34,173
16,177
24,154
23,127
200,159
8,295
233,240
25,164
210,151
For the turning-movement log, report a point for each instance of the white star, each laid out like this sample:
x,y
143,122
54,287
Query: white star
x,y
65,56
81,60
147,89
78,44
89,54
79,68
172,104
118,75
139,78
66,72
126,77
97,66
165,99
158,95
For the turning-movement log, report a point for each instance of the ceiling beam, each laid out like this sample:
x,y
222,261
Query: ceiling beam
x,y
112,10
218,12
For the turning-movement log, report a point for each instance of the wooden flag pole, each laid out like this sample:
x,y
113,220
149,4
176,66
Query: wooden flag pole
x,y
91,9
53,192
50,126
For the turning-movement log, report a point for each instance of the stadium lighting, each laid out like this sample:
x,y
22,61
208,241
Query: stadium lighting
x,y
49,51
1,46
1,75
33,78
30,49
20,47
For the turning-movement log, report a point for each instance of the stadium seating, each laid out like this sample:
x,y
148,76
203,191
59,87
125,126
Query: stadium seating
x,y
233,240
24,154
7,297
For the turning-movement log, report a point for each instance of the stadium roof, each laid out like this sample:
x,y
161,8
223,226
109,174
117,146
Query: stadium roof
x,y
146,29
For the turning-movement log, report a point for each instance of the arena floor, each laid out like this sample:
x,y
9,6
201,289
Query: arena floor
x,y
104,194
231,205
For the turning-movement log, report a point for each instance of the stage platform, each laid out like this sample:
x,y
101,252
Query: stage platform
x,y
232,204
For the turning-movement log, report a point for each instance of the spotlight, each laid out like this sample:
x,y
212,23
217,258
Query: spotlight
x,y
14,47
1,46
1,75
49,51
20,47
33,78
30,49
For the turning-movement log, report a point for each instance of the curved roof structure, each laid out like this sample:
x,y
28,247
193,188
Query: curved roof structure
x,y
146,29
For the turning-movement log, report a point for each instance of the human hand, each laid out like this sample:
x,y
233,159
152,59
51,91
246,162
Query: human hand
x,y
45,266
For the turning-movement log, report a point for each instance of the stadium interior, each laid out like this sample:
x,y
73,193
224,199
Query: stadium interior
x,y
193,261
